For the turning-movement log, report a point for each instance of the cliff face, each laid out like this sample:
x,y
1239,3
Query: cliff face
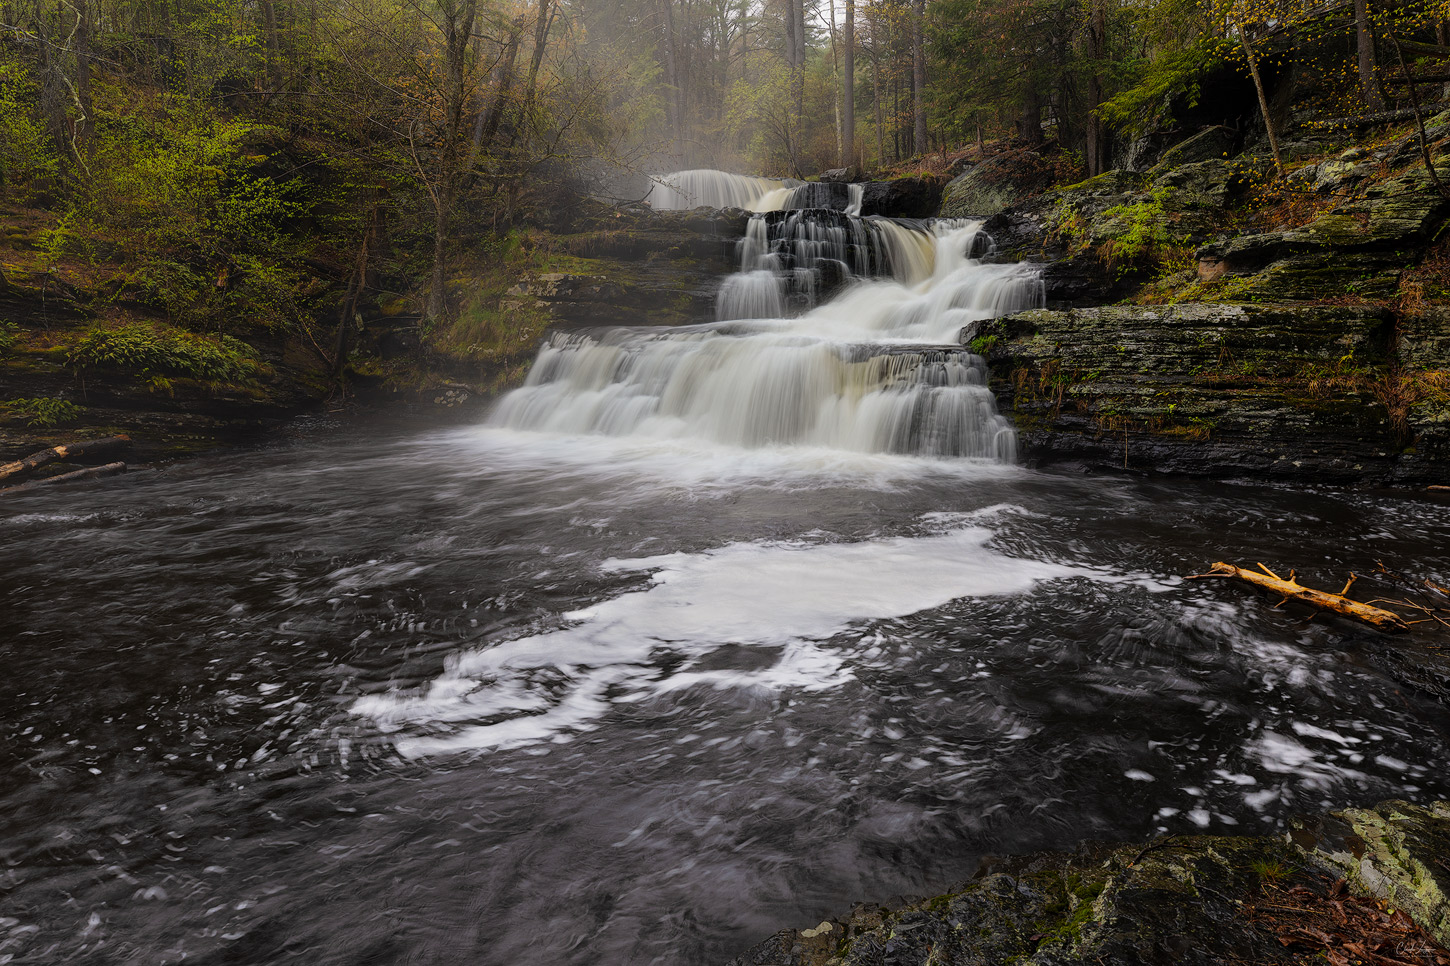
x,y
1333,394
1205,320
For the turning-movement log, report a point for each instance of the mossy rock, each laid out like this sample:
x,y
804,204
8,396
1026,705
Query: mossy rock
x,y
1176,901
1395,851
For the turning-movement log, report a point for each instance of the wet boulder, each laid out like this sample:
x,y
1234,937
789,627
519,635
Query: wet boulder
x,y
1181,900
1210,144
997,183
1394,851
914,197
1173,903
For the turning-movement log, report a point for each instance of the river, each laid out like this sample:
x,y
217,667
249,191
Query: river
x,y
614,691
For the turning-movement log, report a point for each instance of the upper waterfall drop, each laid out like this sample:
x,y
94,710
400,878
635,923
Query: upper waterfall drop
x,y
706,188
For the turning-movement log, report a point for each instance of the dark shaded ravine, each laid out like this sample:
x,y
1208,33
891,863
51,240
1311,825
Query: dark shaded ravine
x,y
852,676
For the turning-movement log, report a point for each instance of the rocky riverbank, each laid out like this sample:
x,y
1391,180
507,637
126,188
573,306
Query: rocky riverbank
x,y
1359,885
76,362
1205,319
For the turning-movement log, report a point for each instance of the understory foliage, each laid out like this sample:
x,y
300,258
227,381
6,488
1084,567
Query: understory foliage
x,y
41,413
162,351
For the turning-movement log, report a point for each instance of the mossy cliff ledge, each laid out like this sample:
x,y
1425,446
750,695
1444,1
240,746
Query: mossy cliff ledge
x,y
1182,900
78,361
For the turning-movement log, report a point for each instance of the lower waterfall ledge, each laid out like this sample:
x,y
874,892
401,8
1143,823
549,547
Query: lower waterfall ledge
x,y
1182,900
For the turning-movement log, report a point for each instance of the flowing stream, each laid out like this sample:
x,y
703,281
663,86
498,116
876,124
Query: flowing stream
x,y
705,632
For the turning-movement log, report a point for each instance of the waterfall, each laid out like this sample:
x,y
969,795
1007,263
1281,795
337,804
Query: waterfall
x,y
703,188
706,188
796,258
880,368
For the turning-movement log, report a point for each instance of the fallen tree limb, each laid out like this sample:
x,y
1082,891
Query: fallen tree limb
x,y
90,447
89,473
1291,589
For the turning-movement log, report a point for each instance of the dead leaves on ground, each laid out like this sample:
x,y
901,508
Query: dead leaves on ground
x,y
1345,930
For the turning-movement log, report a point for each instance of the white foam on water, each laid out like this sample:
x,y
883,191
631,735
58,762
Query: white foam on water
x,y
1284,756
783,600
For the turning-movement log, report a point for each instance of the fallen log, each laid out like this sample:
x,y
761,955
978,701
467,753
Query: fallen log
x,y
90,447
89,473
1291,589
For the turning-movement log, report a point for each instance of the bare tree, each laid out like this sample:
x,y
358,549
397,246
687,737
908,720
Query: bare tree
x,y
918,78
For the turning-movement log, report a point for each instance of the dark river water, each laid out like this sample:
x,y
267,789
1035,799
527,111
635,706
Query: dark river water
x,y
481,696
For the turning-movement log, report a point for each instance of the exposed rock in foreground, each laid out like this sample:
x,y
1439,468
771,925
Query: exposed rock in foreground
x,y
1181,900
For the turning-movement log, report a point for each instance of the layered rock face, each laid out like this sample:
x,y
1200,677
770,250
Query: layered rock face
x,y
1280,391
651,268
1318,352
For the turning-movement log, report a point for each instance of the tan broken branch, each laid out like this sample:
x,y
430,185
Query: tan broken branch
x,y
1291,589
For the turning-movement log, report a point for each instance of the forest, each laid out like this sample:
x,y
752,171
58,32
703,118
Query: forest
x,y
226,165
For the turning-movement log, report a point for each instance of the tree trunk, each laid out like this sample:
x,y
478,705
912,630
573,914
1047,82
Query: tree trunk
x,y
1029,122
1419,120
90,473
672,76
457,33
1364,38
1263,99
485,129
918,78
848,99
66,451
1097,148
274,50
85,124
796,63
876,97
542,23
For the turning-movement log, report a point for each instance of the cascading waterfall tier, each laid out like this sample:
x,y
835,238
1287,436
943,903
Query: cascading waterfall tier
x,y
706,188
795,259
881,368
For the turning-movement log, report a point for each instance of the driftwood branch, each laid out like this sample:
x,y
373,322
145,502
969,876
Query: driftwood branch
x,y
1291,589
89,473
91,447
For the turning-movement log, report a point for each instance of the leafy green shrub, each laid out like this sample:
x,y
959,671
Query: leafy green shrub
x,y
9,333
152,352
41,412
1139,234
199,231
26,153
